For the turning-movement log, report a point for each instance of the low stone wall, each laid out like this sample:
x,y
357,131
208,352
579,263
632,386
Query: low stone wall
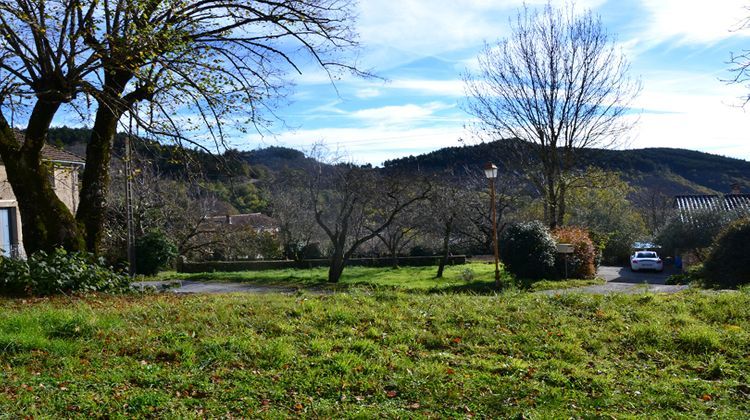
x,y
228,266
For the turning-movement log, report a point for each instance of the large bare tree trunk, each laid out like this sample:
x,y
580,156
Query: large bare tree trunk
x,y
338,262
46,222
95,180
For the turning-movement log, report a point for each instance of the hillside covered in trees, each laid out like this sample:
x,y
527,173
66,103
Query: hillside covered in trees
x,y
673,171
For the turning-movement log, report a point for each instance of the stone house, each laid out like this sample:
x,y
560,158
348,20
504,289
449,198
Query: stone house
x,y
66,168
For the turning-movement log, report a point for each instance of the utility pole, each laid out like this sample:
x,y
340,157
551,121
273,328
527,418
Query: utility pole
x,y
129,199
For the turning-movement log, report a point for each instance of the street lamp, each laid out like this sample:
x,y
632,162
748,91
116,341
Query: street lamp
x,y
490,171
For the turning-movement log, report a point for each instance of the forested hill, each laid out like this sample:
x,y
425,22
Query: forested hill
x,y
673,171
173,160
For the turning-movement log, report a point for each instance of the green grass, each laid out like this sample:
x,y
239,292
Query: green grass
x,y
375,353
472,277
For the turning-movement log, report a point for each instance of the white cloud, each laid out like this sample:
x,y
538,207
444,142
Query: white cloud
x,y
692,111
394,31
407,115
693,21
371,144
367,93
451,88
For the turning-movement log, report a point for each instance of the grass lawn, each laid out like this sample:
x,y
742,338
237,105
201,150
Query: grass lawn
x,y
404,278
377,352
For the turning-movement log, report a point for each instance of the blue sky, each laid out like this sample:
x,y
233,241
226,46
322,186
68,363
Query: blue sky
x,y
678,48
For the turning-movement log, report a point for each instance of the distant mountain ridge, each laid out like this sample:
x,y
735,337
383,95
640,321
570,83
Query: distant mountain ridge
x,y
673,171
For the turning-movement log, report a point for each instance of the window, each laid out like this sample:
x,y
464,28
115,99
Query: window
x,y
8,232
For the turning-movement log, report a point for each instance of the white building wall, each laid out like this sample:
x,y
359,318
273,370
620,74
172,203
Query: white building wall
x,y
66,188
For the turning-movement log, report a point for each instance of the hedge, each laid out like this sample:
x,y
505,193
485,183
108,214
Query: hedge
x,y
228,266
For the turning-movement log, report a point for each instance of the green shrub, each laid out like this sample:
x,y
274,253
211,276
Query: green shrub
x,y
153,251
694,235
298,251
528,250
692,274
58,272
420,251
728,262
580,264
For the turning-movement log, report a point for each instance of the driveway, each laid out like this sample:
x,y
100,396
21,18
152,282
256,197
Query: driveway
x,y
625,275
623,280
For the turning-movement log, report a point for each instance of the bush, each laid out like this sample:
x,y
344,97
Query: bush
x,y
420,251
582,263
153,251
728,262
695,235
528,250
58,272
299,251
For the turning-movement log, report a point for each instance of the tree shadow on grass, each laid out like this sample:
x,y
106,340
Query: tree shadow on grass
x,y
473,288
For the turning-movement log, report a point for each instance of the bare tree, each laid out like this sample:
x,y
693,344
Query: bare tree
x,y
298,230
181,209
401,233
448,215
556,85
352,205
508,189
740,62
195,64
656,206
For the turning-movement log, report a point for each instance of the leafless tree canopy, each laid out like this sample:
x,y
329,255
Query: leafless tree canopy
x,y
199,65
212,57
353,205
559,84
740,63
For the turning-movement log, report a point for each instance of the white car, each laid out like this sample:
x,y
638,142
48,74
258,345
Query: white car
x,y
646,260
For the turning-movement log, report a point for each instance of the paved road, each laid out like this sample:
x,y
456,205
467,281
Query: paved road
x,y
622,280
619,280
625,275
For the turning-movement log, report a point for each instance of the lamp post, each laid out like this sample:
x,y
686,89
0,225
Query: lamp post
x,y
490,171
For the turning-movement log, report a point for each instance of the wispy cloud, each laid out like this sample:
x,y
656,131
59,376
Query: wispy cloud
x,y
449,88
396,30
369,144
409,115
693,21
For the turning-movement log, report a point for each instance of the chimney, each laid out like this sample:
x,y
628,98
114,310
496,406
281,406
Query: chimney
x,y
736,188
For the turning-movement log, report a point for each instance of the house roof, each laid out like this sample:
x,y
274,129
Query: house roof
x,y
54,154
687,204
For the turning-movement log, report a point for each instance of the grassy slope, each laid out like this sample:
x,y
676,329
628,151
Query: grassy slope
x,y
404,278
380,352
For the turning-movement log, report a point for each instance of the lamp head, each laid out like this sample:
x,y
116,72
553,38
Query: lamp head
x,y
490,170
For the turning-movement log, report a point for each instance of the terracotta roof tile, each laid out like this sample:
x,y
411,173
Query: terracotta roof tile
x,y
53,153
